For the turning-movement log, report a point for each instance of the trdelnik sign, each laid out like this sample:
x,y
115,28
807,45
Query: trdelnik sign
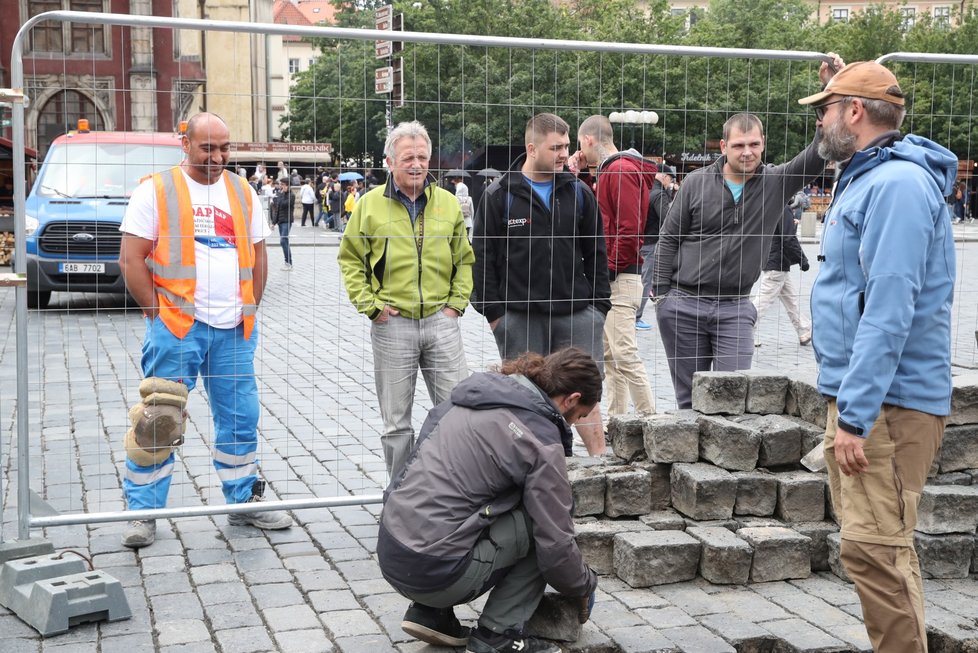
x,y
281,148
699,157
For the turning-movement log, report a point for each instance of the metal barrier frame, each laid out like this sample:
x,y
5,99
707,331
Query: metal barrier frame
x,y
25,522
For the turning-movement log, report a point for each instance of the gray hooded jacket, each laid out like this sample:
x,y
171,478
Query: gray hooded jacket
x,y
498,443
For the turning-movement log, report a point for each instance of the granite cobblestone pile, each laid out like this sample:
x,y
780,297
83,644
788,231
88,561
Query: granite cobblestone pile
x,y
719,491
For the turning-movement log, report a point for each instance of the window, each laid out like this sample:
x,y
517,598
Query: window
x,y
61,113
293,66
55,36
942,16
841,15
909,17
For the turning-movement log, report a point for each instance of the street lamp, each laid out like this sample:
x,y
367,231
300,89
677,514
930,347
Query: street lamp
x,y
632,117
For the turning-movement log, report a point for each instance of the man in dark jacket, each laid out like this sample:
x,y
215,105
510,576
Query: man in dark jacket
x,y
713,244
282,212
484,503
541,271
776,281
624,184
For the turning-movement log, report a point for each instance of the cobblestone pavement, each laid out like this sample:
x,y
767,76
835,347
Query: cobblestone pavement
x,y
207,586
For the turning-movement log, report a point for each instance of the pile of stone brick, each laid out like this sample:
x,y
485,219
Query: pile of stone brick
x,y
719,491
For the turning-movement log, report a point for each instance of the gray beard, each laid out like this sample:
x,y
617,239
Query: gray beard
x,y
836,144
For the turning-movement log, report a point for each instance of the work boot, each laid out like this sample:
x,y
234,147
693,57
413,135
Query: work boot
x,y
141,532
269,520
484,641
436,626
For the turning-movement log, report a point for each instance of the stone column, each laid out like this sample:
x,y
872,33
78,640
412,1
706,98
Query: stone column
x,y
142,73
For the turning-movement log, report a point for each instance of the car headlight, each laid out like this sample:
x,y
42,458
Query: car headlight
x,y
30,225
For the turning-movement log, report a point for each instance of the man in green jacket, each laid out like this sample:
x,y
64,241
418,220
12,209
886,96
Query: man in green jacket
x,y
407,265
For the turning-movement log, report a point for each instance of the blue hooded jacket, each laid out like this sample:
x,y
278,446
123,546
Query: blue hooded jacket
x,y
881,304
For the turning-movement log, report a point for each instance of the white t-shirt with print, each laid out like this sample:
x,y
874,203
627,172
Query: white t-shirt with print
x,y
217,298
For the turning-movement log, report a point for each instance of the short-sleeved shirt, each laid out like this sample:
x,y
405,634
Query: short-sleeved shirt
x,y
217,298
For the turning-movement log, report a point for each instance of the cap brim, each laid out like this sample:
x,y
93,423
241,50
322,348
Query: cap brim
x,y
815,99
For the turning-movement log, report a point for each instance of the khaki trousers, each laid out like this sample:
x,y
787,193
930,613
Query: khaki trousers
x,y
625,374
878,513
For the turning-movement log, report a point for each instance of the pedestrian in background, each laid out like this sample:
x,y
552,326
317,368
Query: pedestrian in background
x,y
465,203
283,214
776,281
307,195
660,198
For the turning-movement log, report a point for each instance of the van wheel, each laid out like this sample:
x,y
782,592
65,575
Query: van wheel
x,y
38,298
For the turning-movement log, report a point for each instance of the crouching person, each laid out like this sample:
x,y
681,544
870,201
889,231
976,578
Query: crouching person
x,y
484,505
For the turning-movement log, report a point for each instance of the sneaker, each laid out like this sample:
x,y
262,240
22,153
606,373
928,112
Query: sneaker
x,y
141,532
482,641
437,626
805,338
270,520
641,325
287,267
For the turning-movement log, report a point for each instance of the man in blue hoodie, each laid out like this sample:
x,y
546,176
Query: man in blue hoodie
x,y
881,308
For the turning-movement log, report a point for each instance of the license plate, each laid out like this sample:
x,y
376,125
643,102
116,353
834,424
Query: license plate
x,y
86,268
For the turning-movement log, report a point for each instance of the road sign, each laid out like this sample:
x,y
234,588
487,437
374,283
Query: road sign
x,y
384,80
383,49
382,17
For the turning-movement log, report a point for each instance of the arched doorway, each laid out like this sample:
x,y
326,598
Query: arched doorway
x,y
61,113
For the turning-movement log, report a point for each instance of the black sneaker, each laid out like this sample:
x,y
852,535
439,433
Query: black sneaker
x,y
482,641
436,626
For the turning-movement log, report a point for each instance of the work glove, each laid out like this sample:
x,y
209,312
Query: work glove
x,y
585,605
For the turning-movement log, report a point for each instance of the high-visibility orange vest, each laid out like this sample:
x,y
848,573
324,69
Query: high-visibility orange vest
x,y
173,261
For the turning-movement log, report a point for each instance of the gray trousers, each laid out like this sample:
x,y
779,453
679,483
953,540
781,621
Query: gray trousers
x,y
504,561
703,333
517,333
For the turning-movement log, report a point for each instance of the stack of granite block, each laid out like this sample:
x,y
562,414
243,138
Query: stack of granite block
x,y
718,491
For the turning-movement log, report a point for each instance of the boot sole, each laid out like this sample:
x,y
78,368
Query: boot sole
x,y
430,636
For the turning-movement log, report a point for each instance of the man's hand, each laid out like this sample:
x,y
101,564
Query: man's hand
x,y
849,453
826,71
584,607
385,314
577,162
451,312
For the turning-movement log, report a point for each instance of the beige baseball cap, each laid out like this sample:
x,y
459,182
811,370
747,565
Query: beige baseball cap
x,y
865,79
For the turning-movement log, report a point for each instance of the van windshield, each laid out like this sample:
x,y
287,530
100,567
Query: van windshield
x,y
102,169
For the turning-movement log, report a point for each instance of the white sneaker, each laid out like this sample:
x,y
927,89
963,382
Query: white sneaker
x,y
141,532
805,338
287,267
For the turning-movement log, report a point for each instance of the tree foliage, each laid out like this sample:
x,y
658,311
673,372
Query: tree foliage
x,y
472,96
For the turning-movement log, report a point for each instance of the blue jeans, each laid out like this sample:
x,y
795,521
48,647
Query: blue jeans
x,y
283,234
226,362
402,346
703,333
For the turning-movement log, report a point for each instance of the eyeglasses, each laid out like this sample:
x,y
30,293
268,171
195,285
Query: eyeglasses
x,y
820,109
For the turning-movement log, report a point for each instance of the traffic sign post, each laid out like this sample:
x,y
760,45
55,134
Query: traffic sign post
x,y
384,79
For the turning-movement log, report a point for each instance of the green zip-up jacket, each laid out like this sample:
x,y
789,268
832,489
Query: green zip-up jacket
x,y
416,268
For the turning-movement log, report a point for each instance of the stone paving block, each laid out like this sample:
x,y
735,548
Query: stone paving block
x,y
731,525
661,483
245,640
959,448
627,435
746,603
766,393
727,444
779,438
801,497
805,401
964,400
949,633
588,489
944,556
655,558
592,640
833,542
703,491
692,598
181,631
719,393
664,520
802,637
745,636
697,638
951,478
304,641
779,553
757,493
818,533
628,493
725,558
948,509
555,618
596,541
641,639
672,439
811,434
666,617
